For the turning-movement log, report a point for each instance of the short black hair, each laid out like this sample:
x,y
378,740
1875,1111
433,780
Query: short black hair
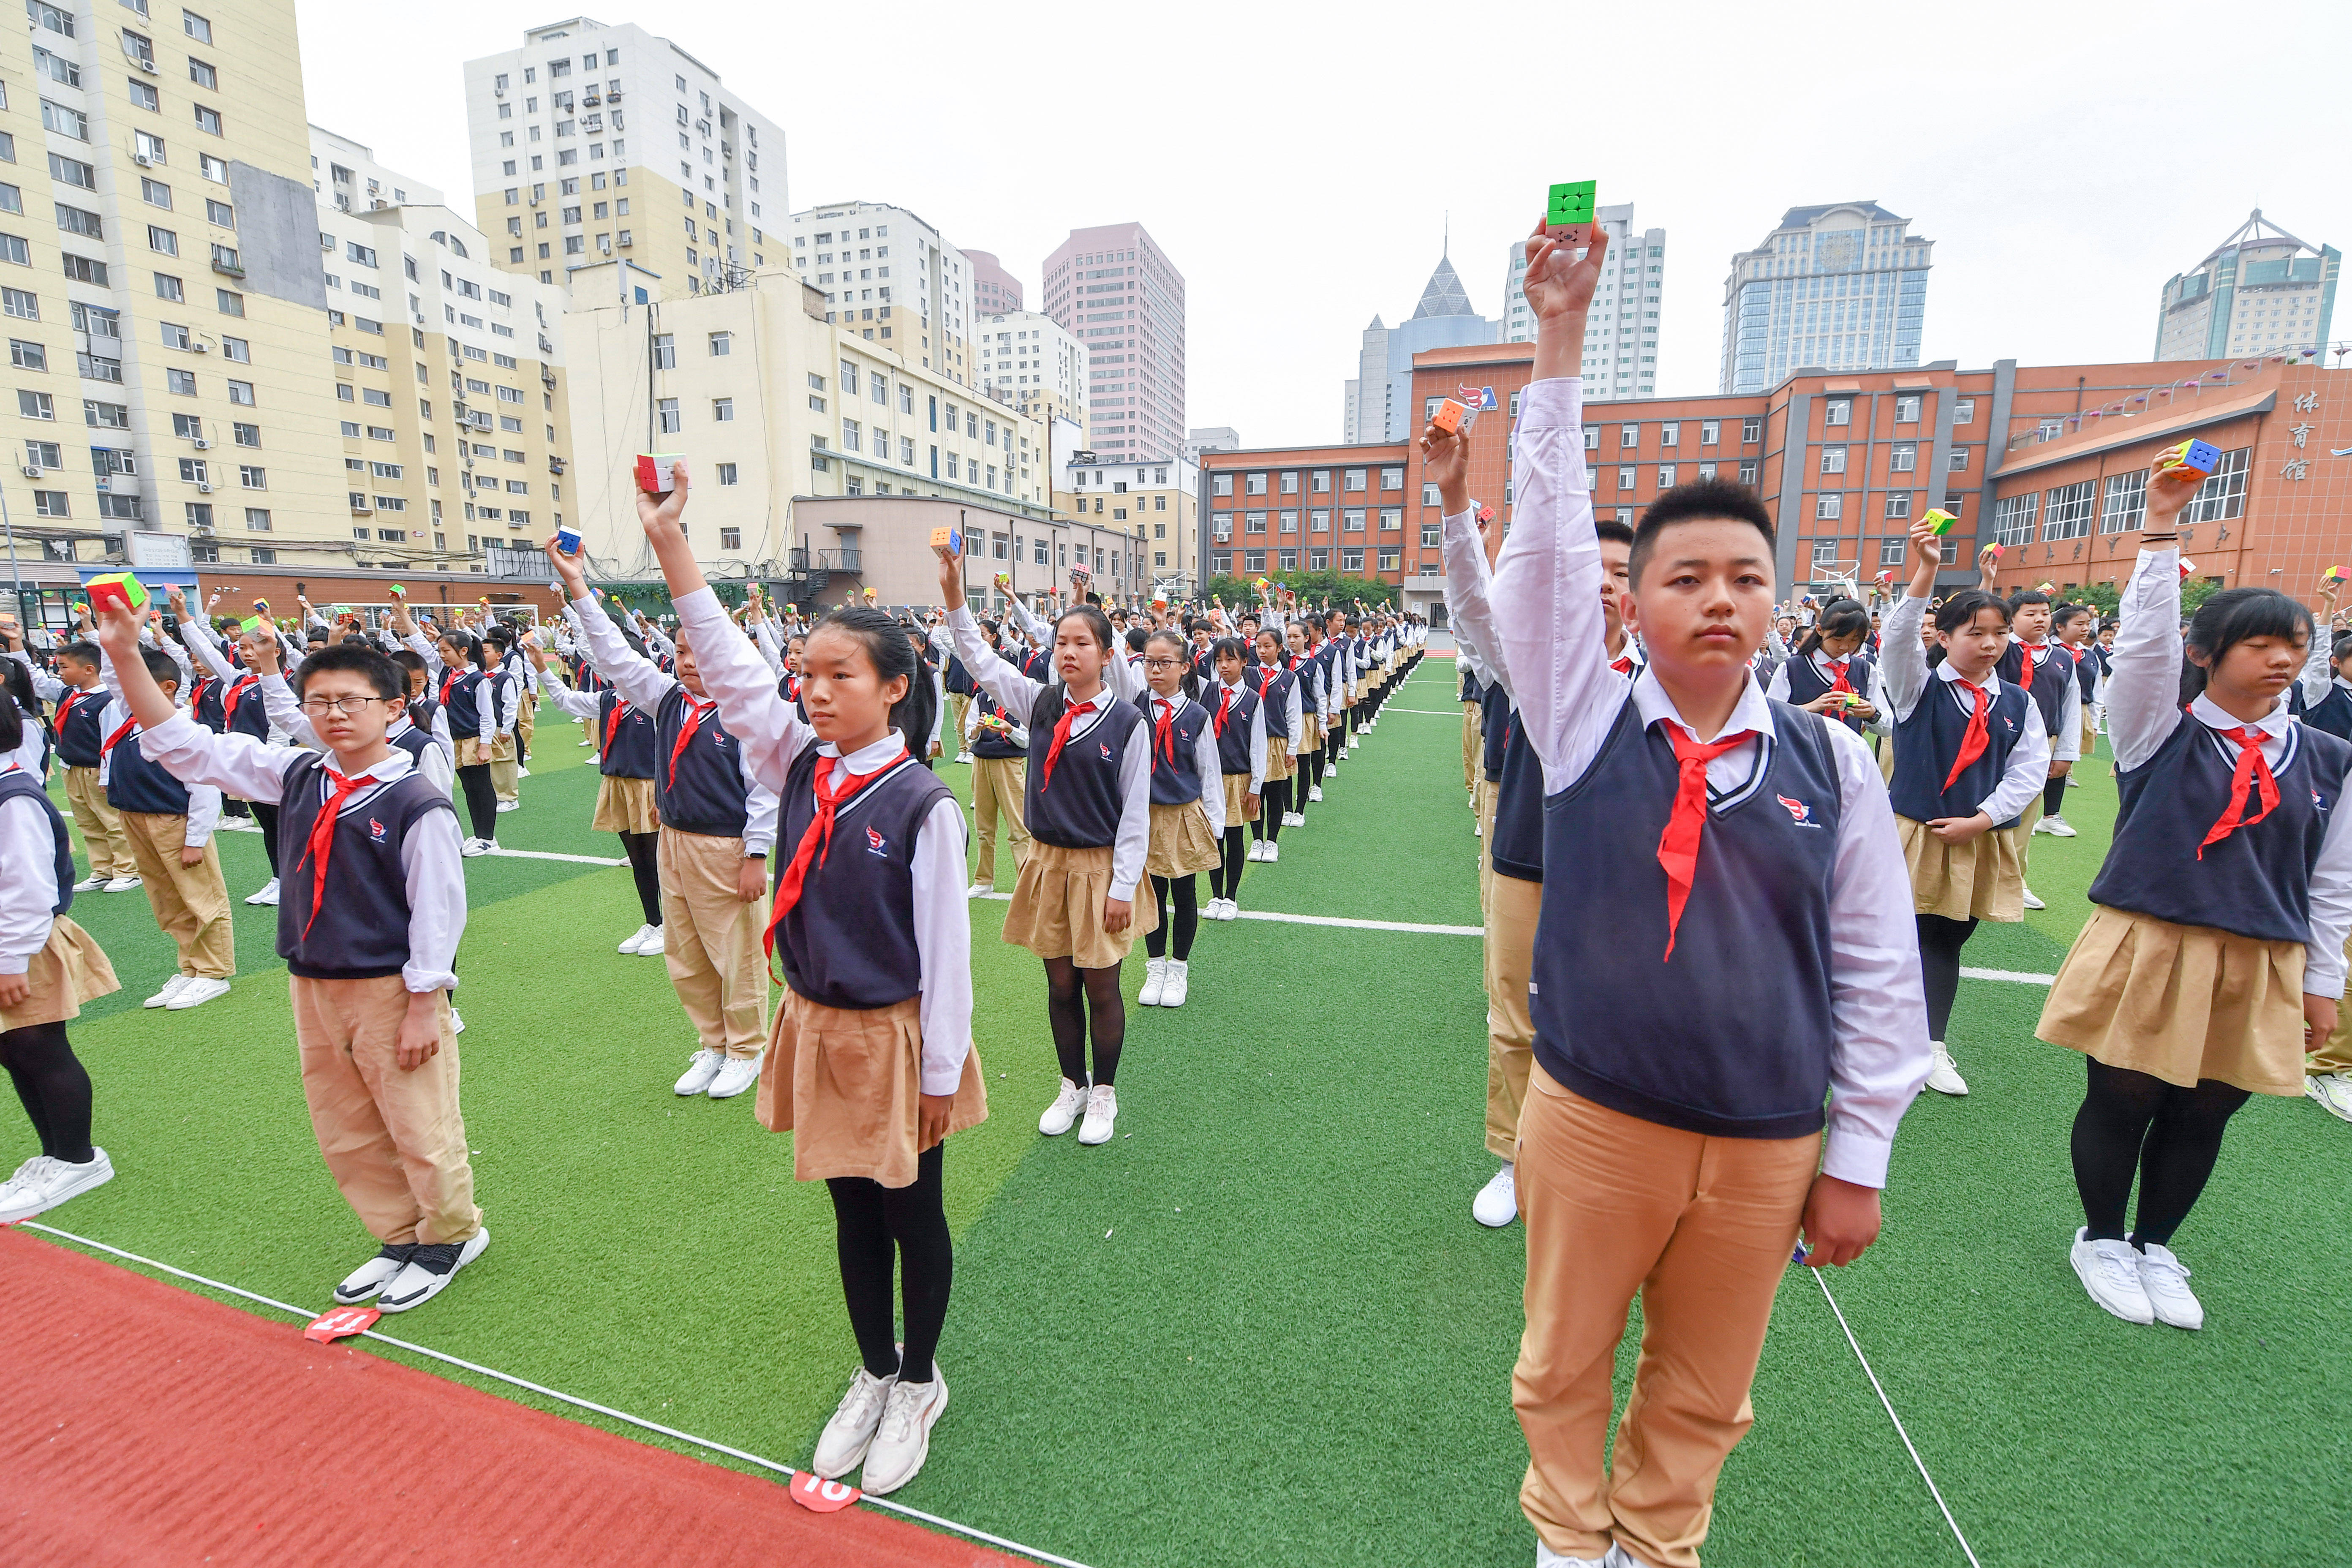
x,y
1960,609
2232,617
409,661
84,651
158,665
12,724
2025,596
389,680
1701,500
1611,529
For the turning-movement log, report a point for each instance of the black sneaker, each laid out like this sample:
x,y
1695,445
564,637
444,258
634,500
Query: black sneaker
x,y
373,1274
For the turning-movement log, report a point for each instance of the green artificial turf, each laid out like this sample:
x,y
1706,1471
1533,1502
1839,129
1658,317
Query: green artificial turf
x,y
1260,1325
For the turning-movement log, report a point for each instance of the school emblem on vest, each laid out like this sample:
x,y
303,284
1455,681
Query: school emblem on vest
x,y
1106,751
1798,810
875,843
375,830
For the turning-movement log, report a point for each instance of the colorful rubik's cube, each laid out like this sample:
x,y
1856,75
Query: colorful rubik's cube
x,y
250,624
1571,203
1448,416
948,538
2332,576
654,472
118,588
2198,457
567,541
1942,520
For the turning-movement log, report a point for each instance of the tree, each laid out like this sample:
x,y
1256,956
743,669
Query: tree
x,y
1312,587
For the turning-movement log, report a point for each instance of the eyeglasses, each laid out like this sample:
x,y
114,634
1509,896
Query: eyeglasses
x,y
1163,664
320,707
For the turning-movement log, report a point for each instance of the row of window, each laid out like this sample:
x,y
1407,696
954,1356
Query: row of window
x,y
1670,432
2064,511
1350,560
1893,551
1902,457
1352,520
1318,481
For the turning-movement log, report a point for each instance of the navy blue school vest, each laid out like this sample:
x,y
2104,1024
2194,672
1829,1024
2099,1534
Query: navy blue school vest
x,y
134,784
628,745
989,742
243,710
1176,764
205,702
959,679
1309,676
362,929
1731,1036
1273,688
1038,665
460,693
1234,740
421,712
704,792
850,941
1515,842
2257,881
414,741
2049,682
2332,712
1205,667
1929,742
75,722
1469,683
1081,809
1806,682
1494,720
16,781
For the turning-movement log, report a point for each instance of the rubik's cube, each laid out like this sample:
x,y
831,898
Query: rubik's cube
x,y
2198,457
1942,520
1571,204
118,588
1448,416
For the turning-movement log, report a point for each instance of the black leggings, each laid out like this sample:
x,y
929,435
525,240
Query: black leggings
x,y
481,799
1187,917
869,1220
1940,942
1077,998
1314,769
643,849
266,818
2169,1134
49,1080
1225,879
1270,808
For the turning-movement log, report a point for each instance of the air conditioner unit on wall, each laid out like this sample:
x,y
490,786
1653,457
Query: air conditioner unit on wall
x,y
201,444
32,470
203,488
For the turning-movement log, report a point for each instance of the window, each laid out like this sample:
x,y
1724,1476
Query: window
x,y
65,122
1666,475
256,520
252,478
852,440
51,503
174,337
1669,432
74,171
1833,460
2125,505
1255,484
1628,437
1626,478
2223,496
1391,518
1964,411
202,75
1253,521
162,240
364,255
2066,513
1827,507
1838,411
1710,432
666,412
108,415
1220,484
17,302
80,268
1898,503
721,344
1751,431
208,120
1353,480
192,471
1352,560
726,476
2013,518
230,303
1958,463
1351,520
1902,457
43,455
1825,552
197,26
27,356
181,382
731,538
73,220
1906,409
168,287
245,434
148,145
144,96
1391,479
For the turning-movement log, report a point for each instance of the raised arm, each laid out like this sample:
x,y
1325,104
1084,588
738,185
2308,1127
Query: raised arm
x,y
246,767
1014,691
1902,659
2144,691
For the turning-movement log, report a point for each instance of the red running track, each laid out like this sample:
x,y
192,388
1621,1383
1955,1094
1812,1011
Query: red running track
x,y
145,1424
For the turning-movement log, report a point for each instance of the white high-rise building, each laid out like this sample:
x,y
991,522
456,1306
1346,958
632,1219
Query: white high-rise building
x,y
2259,291
1621,333
1377,401
1841,287
893,278
593,142
1030,361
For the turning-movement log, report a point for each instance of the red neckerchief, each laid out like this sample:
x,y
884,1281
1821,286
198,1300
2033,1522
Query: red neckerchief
x,y
612,727
816,841
2025,671
65,704
1974,740
130,726
1224,707
1678,845
1622,664
449,681
1062,736
1164,738
2252,768
321,842
695,713
1837,667
235,694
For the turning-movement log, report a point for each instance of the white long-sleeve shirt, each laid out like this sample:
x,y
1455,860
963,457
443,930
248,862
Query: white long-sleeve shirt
x,y
1903,678
772,735
2066,746
30,891
2142,700
1549,628
204,800
1019,694
1211,699
439,764
433,870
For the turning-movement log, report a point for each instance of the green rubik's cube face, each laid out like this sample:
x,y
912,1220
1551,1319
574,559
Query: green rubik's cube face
x,y
1570,203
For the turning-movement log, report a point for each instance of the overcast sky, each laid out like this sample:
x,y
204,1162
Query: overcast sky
x,y
2067,160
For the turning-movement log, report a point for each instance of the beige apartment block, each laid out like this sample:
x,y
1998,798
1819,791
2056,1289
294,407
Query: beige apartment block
x,y
894,278
1157,504
1031,362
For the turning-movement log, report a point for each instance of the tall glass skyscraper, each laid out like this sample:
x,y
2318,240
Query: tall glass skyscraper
x,y
1843,287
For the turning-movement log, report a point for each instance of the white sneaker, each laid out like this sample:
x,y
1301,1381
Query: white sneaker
x,y
1498,1202
735,1075
636,940
2166,1279
1221,910
170,992
904,1440
1314,791
510,805
978,890
699,1071
1257,849
2073,781
2334,1093
44,1183
1295,819
368,1280
1102,1110
841,1447
473,846
2056,827
457,1024
1942,1076
522,772
1180,983
1547,1558
122,884
655,944
583,743
267,895
2110,1272
429,1270
1273,851
1155,981
92,883
198,991
1233,910
1060,1115
2033,903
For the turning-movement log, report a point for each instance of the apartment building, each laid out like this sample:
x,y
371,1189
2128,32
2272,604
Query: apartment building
x,y
1621,334
591,140
1030,361
1115,289
2259,291
995,291
1841,287
893,278
451,403
1156,504
1376,401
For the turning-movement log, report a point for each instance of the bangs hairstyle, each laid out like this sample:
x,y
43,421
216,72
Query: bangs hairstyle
x,y
1701,500
1839,618
2236,616
2340,648
891,655
465,643
1234,646
1097,626
2025,596
2065,614
390,681
1611,529
1187,681
84,652
1960,609
158,665
12,723
410,661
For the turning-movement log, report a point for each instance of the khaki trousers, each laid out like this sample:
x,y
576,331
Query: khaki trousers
x,y
190,902
2334,1053
1485,803
713,941
1473,746
395,1141
1512,906
503,771
527,721
998,784
1702,1227
959,705
100,825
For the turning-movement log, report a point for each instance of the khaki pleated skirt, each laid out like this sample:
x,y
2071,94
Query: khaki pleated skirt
x,y
1057,908
2180,1002
1277,759
1181,843
471,752
624,805
1236,792
1310,733
848,1083
1981,879
69,970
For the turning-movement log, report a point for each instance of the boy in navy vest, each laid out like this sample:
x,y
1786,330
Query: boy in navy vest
x,y
1723,947
374,905
78,700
